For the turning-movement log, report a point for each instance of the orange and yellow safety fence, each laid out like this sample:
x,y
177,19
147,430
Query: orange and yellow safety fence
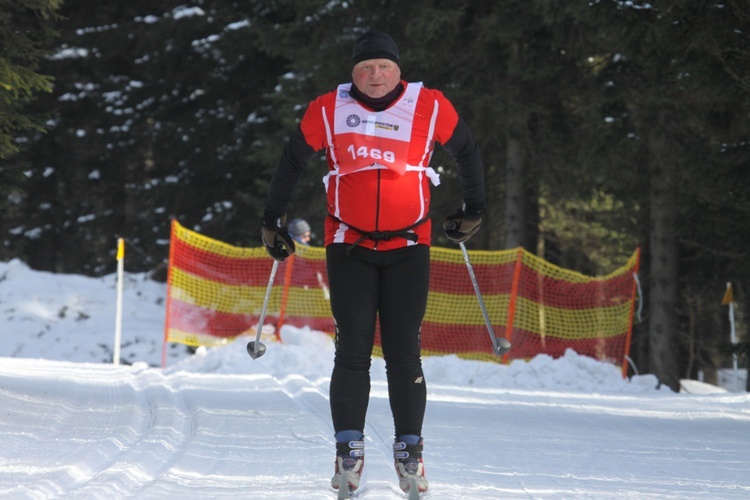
x,y
216,290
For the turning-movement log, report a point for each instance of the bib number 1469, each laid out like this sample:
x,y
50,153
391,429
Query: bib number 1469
x,y
374,153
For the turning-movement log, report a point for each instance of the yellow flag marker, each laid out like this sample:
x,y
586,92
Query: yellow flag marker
x,y
728,296
118,312
120,248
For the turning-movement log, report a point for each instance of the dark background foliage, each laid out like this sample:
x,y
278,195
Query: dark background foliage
x,y
604,126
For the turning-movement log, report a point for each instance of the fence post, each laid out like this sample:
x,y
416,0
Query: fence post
x,y
629,336
167,309
513,295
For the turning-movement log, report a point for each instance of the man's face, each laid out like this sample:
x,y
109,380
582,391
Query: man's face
x,y
376,77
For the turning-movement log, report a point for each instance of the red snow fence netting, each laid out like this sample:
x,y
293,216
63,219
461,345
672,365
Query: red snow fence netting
x,y
215,292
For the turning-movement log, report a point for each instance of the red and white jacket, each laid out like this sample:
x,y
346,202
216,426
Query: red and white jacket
x,y
378,162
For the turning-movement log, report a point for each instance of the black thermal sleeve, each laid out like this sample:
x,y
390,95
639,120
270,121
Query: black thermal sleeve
x,y
465,151
294,159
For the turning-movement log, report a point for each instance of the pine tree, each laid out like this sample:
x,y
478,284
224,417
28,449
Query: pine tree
x,y
156,104
666,70
26,30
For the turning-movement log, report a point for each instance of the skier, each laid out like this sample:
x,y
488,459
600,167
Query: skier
x,y
299,230
378,133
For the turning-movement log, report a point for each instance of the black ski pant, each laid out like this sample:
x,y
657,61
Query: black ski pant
x,y
389,286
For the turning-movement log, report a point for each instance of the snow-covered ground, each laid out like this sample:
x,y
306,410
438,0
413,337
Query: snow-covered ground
x,y
219,424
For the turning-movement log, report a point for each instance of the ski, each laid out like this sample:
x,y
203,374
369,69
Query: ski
x,y
413,490
348,492
344,493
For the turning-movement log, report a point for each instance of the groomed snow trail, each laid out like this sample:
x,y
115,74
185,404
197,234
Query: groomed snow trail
x,y
78,430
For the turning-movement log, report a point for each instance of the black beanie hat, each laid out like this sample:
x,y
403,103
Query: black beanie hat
x,y
374,45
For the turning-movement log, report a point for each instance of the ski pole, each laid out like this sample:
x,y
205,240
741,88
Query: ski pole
x,y
255,348
501,345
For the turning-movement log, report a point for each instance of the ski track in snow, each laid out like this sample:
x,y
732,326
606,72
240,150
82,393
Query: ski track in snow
x,y
99,431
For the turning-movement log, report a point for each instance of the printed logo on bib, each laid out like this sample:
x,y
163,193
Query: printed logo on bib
x,y
353,121
382,125
409,101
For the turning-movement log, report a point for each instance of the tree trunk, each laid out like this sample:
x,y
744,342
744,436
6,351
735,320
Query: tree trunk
x,y
515,195
518,203
663,323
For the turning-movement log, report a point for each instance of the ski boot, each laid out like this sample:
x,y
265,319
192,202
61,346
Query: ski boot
x,y
350,460
410,468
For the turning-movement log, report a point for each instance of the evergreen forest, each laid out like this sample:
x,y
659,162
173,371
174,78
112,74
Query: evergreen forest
x,y
604,125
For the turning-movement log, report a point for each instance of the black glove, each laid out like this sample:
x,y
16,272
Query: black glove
x,y
460,226
276,238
